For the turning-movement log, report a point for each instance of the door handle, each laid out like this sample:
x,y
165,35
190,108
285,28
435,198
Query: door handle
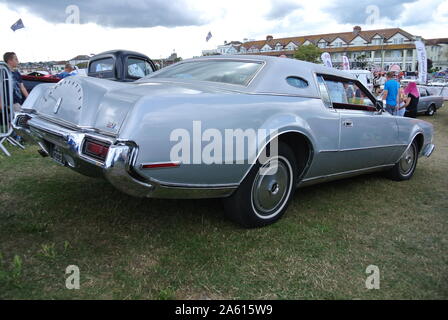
x,y
348,123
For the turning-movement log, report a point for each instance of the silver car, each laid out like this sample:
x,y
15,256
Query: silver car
x,y
429,102
246,129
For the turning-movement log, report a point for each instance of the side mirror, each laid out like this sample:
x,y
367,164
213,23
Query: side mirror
x,y
380,106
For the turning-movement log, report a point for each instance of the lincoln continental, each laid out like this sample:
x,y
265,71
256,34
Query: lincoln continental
x,y
248,129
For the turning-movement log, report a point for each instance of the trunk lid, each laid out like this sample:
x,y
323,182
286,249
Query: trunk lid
x,y
101,104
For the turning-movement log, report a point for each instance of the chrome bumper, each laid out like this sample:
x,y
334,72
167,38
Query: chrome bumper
x,y
428,150
118,168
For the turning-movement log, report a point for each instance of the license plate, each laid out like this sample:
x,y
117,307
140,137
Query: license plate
x,y
58,156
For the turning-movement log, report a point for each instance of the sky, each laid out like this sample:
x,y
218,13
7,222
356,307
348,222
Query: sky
x,y
54,30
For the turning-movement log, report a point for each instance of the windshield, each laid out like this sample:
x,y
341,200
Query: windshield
x,y
232,72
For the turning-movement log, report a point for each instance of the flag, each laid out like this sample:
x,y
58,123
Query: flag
x,y
422,62
209,36
326,59
18,25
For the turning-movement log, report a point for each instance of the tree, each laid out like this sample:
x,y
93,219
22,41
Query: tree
x,y
82,65
309,53
361,61
429,65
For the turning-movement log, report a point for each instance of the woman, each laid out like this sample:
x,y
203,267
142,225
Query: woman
x,y
411,100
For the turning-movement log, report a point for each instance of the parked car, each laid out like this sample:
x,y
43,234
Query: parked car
x,y
117,65
35,78
247,129
428,102
407,79
439,82
120,65
438,91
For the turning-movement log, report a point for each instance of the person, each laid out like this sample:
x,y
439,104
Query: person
x,y
376,83
402,104
68,71
18,88
391,93
19,92
382,80
411,101
349,92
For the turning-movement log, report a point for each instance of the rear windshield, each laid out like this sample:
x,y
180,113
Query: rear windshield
x,y
232,72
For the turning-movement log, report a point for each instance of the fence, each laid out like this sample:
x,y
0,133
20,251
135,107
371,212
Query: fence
x,y
6,109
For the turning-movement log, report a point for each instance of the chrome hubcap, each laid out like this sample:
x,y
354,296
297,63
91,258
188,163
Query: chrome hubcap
x,y
407,161
270,187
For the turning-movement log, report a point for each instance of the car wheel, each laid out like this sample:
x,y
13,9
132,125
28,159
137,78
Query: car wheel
x,y
431,110
405,167
264,195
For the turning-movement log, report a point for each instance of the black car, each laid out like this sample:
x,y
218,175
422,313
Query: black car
x,y
120,65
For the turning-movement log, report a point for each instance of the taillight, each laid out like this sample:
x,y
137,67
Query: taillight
x,y
96,149
22,121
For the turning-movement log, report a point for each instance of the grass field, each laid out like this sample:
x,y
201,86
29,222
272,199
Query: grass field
x,y
126,248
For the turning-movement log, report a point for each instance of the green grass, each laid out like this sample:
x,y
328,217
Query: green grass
x,y
126,248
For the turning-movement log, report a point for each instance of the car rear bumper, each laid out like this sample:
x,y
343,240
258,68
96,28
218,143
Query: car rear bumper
x,y
118,166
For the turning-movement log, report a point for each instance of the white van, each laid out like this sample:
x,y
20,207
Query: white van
x,y
364,76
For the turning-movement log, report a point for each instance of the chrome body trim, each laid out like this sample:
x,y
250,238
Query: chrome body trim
x,y
411,141
365,148
312,148
71,126
342,175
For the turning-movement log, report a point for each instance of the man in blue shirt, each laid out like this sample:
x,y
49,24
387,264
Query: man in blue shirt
x,y
390,93
68,71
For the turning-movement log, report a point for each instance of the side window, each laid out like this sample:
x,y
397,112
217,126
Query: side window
x,y
324,92
347,94
297,82
422,92
356,96
138,68
103,68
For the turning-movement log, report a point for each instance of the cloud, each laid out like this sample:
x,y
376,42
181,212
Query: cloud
x,y
420,12
280,10
115,13
354,11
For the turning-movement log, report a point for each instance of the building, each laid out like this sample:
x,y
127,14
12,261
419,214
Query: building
x,y
372,49
437,51
162,63
58,67
82,59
